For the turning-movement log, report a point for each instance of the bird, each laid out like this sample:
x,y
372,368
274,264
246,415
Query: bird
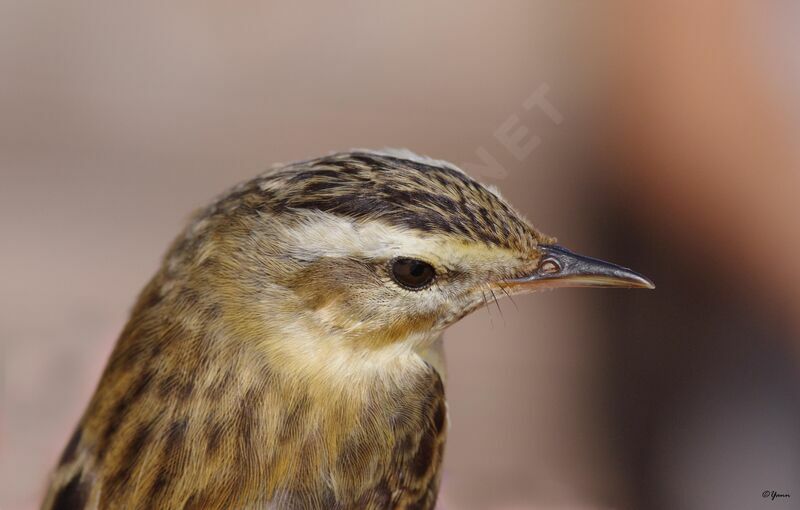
x,y
287,354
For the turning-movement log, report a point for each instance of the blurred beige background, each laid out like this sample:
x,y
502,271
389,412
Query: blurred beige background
x,y
675,154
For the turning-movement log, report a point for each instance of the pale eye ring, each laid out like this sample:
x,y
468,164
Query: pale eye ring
x,y
412,274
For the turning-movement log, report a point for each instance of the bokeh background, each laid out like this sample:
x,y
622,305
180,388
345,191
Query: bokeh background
x,y
664,137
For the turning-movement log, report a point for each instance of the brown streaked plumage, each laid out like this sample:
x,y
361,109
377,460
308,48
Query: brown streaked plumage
x,y
286,355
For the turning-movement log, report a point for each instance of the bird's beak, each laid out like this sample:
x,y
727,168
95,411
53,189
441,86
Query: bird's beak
x,y
559,267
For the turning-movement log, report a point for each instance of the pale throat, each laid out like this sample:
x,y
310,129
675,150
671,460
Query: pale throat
x,y
334,363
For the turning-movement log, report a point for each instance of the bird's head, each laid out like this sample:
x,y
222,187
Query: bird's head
x,y
370,249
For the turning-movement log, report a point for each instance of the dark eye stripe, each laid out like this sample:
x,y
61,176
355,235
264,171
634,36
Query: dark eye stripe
x,y
412,274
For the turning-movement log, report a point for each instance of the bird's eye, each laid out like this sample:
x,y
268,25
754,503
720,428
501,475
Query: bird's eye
x,y
411,273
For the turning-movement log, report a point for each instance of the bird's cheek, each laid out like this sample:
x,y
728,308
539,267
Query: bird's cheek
x,y
329,279
408,327
458,308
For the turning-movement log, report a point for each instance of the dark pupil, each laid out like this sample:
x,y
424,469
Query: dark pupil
x,y
412,273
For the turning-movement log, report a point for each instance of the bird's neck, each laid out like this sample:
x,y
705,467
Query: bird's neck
x,y
239,410
303,350
203,351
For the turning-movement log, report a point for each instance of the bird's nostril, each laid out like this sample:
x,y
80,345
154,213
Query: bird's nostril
x,y
548,266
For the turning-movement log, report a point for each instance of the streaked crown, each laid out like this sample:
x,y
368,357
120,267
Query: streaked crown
x,y
398,188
